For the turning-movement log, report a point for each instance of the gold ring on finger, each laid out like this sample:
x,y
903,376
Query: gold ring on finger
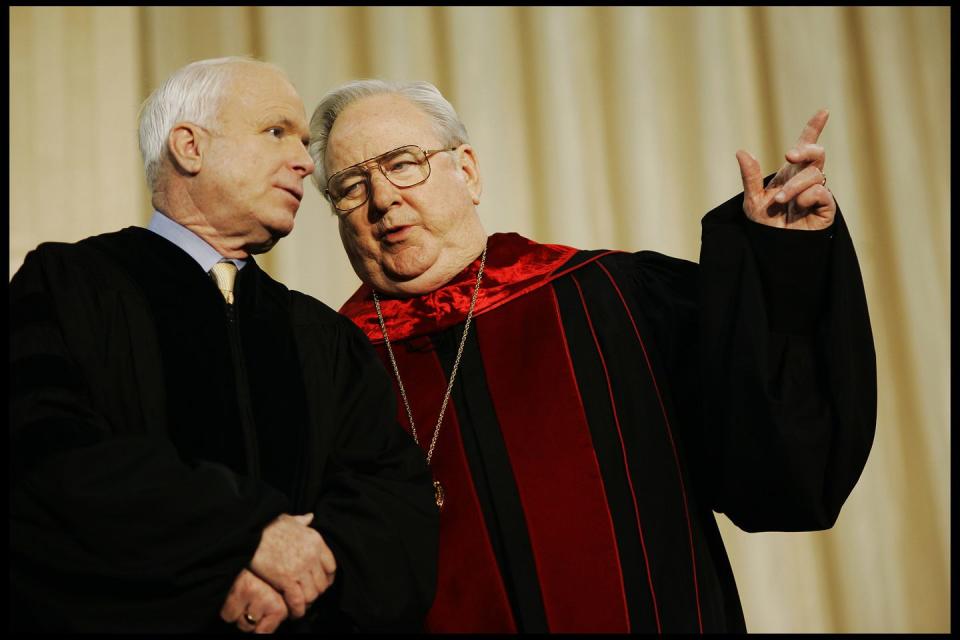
x,y
249,618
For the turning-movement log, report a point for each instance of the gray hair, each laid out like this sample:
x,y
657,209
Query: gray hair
x,y
446,122
193,94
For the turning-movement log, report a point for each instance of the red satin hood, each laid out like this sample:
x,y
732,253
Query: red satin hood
x,y
515,265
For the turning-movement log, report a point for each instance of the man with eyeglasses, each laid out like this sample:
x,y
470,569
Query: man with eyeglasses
x,y
193,446
583,413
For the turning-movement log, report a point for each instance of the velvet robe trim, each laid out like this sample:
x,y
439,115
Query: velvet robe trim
x,y
515,266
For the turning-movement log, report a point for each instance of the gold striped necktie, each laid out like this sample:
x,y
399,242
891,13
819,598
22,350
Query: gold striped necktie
x,y
225,273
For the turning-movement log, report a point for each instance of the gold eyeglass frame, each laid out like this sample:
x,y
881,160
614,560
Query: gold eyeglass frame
x,y
377,161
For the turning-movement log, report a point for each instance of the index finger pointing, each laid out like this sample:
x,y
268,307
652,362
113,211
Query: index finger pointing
x,y
813,128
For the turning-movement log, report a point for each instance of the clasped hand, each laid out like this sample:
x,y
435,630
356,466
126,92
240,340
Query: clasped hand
x,y
291,568
797,197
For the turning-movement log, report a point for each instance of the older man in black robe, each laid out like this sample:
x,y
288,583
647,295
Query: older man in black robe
x,y
585,412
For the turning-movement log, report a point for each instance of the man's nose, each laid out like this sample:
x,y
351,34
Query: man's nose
x,y
383,193
302,162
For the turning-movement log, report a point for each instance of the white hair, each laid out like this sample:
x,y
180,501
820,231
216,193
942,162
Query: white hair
x,y
192,94
446,122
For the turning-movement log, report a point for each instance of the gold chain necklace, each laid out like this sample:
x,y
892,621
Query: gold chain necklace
x,y
437,488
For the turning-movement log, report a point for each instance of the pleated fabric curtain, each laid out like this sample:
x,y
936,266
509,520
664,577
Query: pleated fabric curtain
x,y
597,127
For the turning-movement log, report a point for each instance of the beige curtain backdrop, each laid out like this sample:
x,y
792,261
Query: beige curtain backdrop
x,y
596,127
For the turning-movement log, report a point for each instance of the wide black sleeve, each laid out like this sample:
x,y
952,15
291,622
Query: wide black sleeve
x,y
788,370
376,508
770,355
109,529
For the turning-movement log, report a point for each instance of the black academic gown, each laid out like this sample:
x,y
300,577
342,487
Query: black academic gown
x,y
608,403
152,439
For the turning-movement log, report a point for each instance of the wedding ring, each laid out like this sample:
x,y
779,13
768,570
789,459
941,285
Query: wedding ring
x,y
824,183
249,618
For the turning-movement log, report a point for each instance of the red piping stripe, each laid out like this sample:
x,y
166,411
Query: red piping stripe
x,y
623,449
676,459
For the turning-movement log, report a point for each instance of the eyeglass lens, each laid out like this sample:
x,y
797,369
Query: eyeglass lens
x,y
404,167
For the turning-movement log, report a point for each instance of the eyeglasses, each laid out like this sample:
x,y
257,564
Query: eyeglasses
x,y
404,167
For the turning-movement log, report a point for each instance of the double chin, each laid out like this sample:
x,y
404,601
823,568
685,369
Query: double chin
x,y
418,275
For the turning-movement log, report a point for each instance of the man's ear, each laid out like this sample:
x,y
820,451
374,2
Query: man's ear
x,y
470,168
186,144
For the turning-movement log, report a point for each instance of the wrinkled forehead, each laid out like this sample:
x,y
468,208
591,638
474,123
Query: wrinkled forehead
x,y
374,125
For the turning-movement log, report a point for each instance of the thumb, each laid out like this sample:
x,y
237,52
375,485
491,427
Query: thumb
x,y
304,519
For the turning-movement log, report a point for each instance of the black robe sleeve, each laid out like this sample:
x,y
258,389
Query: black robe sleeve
x,y
110,530
376,509
769,351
